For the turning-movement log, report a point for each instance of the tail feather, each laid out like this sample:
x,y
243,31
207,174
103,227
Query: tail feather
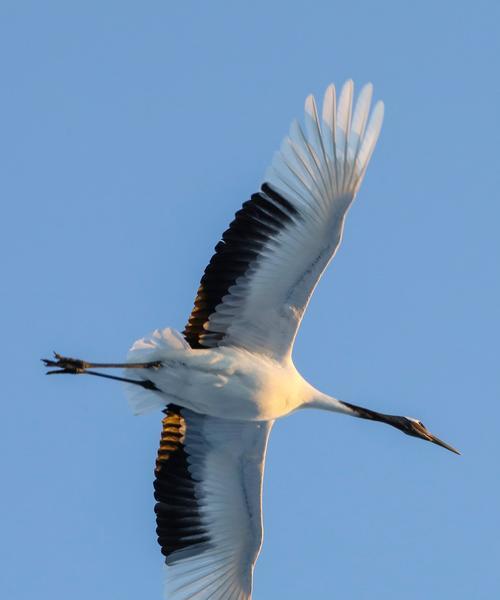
x,y
157,346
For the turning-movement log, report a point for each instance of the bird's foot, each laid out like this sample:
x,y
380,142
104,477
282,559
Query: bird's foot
x,y
64,364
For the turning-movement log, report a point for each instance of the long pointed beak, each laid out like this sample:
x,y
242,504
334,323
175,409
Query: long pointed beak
x,y
419,430
436,440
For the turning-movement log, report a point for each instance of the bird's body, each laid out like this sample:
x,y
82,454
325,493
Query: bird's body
x,y
236,383
224,381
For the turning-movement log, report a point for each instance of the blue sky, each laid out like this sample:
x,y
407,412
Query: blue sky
x,y
131,133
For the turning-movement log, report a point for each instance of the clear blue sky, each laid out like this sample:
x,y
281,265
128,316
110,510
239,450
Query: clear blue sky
x,y
131,132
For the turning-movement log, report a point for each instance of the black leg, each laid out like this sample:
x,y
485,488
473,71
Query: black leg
x,y
145,383
76,365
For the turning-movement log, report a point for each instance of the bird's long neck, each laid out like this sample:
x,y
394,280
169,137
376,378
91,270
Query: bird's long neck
x,y
322,401
372,415
325,402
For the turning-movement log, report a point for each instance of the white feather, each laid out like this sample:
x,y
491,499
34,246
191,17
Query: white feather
x,y
159,345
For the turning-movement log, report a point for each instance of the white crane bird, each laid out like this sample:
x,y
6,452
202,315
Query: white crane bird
x,y
224,381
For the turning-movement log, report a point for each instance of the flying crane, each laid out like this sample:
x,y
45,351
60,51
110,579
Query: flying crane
x,y
224,381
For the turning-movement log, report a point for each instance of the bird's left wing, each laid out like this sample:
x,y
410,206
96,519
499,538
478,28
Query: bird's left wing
x,y
208,489
257,285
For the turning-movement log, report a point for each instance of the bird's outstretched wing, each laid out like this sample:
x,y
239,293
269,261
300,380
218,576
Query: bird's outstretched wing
x,y
208,490
257,285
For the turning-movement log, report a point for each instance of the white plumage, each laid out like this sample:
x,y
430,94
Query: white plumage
x,y
224,381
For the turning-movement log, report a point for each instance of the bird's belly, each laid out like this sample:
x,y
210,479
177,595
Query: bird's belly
x,y
243,403
234,387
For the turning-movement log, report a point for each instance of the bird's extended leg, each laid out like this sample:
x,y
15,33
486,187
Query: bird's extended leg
x,y
76,366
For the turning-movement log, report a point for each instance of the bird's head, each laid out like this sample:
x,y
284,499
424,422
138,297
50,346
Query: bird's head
x,y
416,428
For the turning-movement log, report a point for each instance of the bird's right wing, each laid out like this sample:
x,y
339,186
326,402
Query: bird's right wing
x,y
208,489
258,283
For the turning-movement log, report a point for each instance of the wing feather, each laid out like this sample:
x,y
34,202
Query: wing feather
x,y
257,286
209,518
